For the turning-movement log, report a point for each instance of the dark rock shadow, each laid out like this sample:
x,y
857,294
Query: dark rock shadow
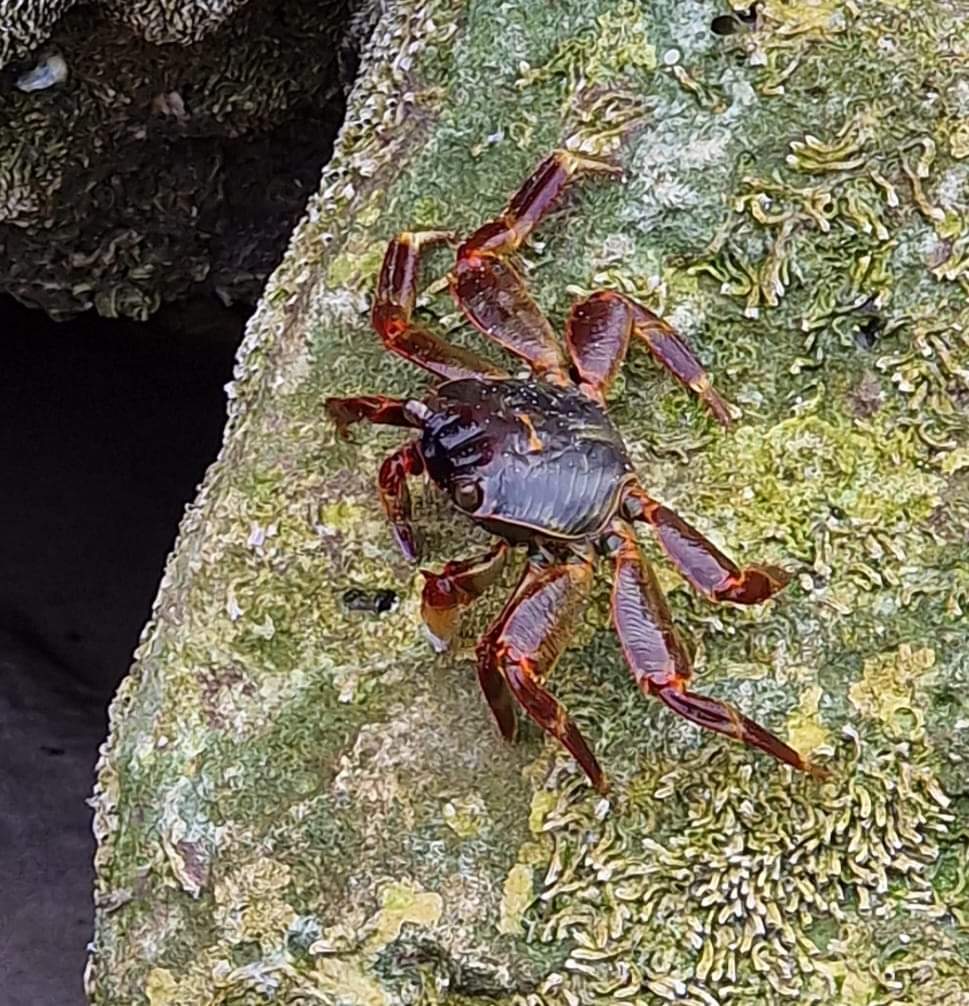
x,y
106,428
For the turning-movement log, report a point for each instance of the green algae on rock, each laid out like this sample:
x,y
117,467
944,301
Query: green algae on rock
x,y
299,804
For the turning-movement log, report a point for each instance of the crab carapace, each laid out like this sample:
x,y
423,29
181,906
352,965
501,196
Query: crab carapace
x,y
538,463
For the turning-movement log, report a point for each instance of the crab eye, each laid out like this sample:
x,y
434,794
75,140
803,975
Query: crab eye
x,y
467,495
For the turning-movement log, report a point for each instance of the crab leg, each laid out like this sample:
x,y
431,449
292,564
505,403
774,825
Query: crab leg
x,y
704,566
660,664
455,587
598,332
373,408
675,355
392,481
539,193
489,289
393,306
518,652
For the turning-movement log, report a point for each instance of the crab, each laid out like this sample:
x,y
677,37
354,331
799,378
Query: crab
x,y
537,462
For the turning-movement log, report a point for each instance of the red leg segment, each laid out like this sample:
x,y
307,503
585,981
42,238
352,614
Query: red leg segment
x,y
488,288
661,665
455,587
704,566
518,652
394,303
676,356
494,299
373,408
598,334
531,202
395,496
499,699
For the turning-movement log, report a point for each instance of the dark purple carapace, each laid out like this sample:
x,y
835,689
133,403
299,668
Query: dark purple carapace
x,y
525,458
538,463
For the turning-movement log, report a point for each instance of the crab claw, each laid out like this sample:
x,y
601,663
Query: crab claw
x,y
407,542
445,594
438,645
440,609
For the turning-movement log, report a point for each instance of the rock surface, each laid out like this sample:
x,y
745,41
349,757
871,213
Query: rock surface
x,y
134,173
301,804
25,25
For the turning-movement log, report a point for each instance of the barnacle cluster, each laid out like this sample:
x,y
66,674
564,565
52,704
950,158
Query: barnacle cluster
x,y
132,174
271,743
23,26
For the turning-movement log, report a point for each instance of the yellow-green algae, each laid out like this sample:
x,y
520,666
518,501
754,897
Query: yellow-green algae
x,y
282,774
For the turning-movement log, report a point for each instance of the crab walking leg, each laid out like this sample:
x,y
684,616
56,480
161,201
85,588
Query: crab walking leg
x,y
675,355
455,587
526,208
703,565
660,664
487,286
494,299
394,304
598,332
370,408
499,699
523,645
392,480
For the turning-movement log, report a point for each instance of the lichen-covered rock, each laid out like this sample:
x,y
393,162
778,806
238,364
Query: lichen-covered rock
x,y
299,803
132,174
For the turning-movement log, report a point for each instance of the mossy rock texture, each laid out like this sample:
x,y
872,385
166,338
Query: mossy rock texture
x,y
299,803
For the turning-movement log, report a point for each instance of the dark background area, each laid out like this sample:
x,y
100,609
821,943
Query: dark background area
x,y
106,429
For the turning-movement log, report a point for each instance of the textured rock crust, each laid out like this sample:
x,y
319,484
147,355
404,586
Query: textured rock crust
x,y
301,804
25,25
146,172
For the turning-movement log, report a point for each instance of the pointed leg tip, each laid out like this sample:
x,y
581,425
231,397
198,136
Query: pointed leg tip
x,y
408,544
777,576
336,413
721,410
817,772
429,238
575,161
754,585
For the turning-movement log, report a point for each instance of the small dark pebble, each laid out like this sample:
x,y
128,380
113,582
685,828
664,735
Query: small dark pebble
x,y
375,601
